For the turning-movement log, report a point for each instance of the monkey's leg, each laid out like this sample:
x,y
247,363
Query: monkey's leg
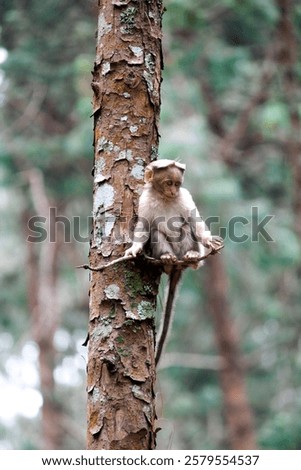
x,y
161,248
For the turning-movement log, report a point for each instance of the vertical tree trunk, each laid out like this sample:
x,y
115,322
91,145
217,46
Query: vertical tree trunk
x,y
126,85
288,59
238,415
44,310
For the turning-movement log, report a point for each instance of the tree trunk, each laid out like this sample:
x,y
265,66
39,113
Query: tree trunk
x,y
238,415
126,85
44,310
288,62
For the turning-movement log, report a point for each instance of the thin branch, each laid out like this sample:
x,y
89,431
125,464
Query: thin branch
x,y
149,259
103,266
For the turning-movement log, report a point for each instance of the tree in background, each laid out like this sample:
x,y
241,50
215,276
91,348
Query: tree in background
x,y
45,149
232,51
233,143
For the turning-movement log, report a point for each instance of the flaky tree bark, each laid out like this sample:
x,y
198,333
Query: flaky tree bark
x,y
126,85
238,415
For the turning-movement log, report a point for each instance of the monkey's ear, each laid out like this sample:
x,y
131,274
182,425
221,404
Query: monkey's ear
x,y
149,173
159,164
181,166
165,163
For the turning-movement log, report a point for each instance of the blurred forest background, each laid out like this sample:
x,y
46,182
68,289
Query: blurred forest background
x,y
231,112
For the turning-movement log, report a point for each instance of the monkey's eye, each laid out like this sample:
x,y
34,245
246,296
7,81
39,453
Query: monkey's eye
x,y
177,184
169,183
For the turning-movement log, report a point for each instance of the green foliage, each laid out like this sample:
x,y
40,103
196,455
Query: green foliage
x,y
45,125
281,432
225,43
45,74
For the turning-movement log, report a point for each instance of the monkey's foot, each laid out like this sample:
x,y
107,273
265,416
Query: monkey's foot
x,y
192,256
168,258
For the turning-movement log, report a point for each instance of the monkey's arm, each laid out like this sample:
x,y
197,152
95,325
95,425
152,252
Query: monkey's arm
x,y
204,236
142,228
140,237
202,232
196,222
198,227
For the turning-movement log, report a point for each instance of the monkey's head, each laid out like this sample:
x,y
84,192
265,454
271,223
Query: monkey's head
x,y
166,177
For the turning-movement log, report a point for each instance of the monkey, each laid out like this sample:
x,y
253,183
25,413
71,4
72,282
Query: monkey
x,y
170,225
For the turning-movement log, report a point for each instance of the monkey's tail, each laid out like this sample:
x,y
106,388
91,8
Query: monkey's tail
x,y
174,279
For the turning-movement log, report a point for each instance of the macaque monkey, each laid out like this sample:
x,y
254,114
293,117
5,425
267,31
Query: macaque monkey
x,y
170,227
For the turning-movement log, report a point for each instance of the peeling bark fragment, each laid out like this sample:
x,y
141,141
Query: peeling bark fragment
x,y
95,428
101,332
103,26
125,155
126,102
106,67
139,393
112,291
103,197
138,171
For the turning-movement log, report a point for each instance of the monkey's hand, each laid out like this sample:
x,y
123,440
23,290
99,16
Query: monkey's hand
x,y
214,242
207,239
217,243
134,250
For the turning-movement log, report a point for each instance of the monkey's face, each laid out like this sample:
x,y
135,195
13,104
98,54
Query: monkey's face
x,y
168,181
